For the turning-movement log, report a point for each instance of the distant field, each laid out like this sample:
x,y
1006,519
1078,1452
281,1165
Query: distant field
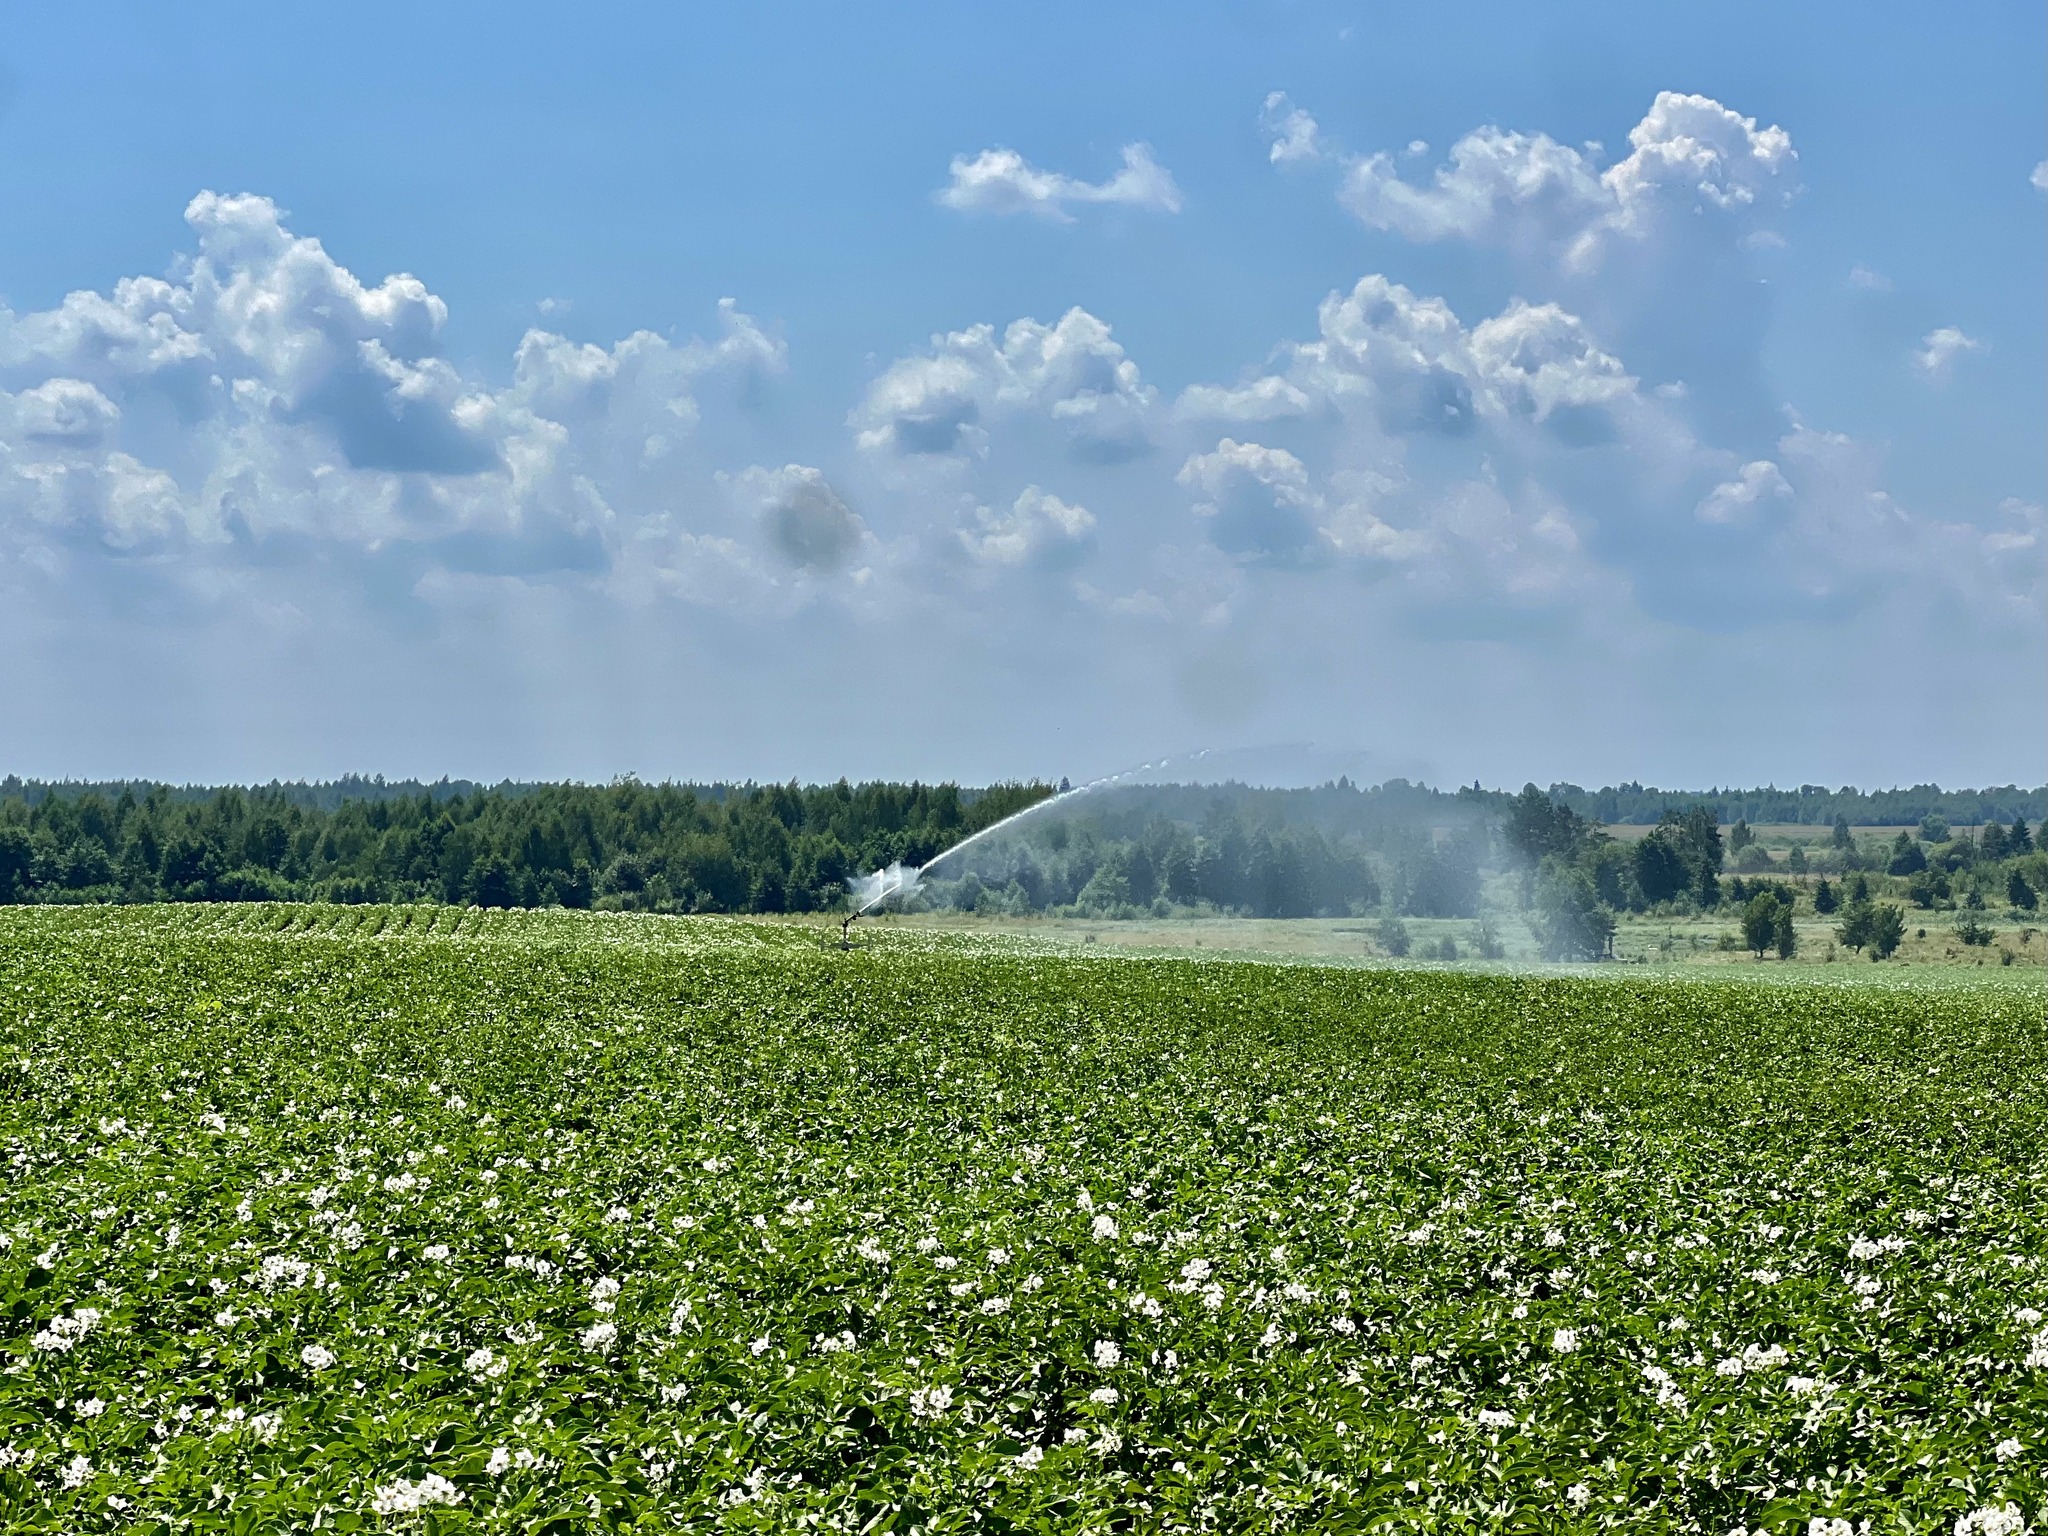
x,y
367,1218
1680,942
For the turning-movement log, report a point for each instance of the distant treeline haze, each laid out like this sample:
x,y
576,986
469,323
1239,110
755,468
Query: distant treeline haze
x,y
1336,849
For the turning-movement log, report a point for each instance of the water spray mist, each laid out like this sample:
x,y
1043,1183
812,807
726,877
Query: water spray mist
x,y
899,880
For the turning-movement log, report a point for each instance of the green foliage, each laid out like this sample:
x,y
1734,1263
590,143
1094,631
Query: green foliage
x,y
1538,827
1662,867
1927,888
1443,880
628,1223
2020,893
1760,922
1571,921
1972,932
1887,929
1825,897
1809,804
1740,837
1907,856
1858,919
1392,936
773,848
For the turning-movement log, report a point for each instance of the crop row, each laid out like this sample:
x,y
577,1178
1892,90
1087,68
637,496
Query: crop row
x,y
578,1223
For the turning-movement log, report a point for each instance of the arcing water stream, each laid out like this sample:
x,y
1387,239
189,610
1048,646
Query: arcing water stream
x,y
872,890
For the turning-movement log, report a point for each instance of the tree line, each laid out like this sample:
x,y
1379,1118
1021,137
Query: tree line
x,y
1576,878
668,848
1391,851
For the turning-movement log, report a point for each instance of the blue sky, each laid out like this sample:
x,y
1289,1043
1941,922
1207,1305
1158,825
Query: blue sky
x,y
1349,374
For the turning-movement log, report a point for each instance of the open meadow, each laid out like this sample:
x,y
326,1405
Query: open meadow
x,y
395,1218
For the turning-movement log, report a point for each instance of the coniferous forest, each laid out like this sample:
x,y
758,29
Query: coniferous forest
x,y
1329,850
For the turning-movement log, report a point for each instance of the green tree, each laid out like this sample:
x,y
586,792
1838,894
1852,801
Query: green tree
x,y
1887,928
1660,867
1571,921
1538,826
490,884
1785,936
17,859
2019,840
1858,917
1840,837
1392,934
1908,857
1740,837
1760,922
1824,898
2020,893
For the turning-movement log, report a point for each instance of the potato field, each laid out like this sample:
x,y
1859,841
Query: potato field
x,y
431,1219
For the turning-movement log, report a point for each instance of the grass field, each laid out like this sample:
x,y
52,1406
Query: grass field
x,y
1669,943
373,1218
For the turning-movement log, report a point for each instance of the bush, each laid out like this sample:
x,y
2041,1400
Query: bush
x,y
1392,934
1887,929
1760,922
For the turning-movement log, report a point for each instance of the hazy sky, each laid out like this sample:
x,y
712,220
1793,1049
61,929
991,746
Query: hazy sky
x,y
1503,391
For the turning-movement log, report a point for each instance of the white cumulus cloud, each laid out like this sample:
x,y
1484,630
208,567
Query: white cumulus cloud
x,y
1760,484
1039,531
1001,181
1072,372
1940,348
1295,137
1526,190
1258,500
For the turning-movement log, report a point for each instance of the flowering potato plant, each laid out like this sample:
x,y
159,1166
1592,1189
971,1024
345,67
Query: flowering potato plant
x,y
436,1220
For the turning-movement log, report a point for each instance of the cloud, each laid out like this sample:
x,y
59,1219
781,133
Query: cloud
x,y
1939,350
1001,181
1261,399
1296,139
1526,191
1072,373
1863,277
1739,500
264,403
2038,177
67,412
1541,362
1040,532
1258,501
264,448
806,521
